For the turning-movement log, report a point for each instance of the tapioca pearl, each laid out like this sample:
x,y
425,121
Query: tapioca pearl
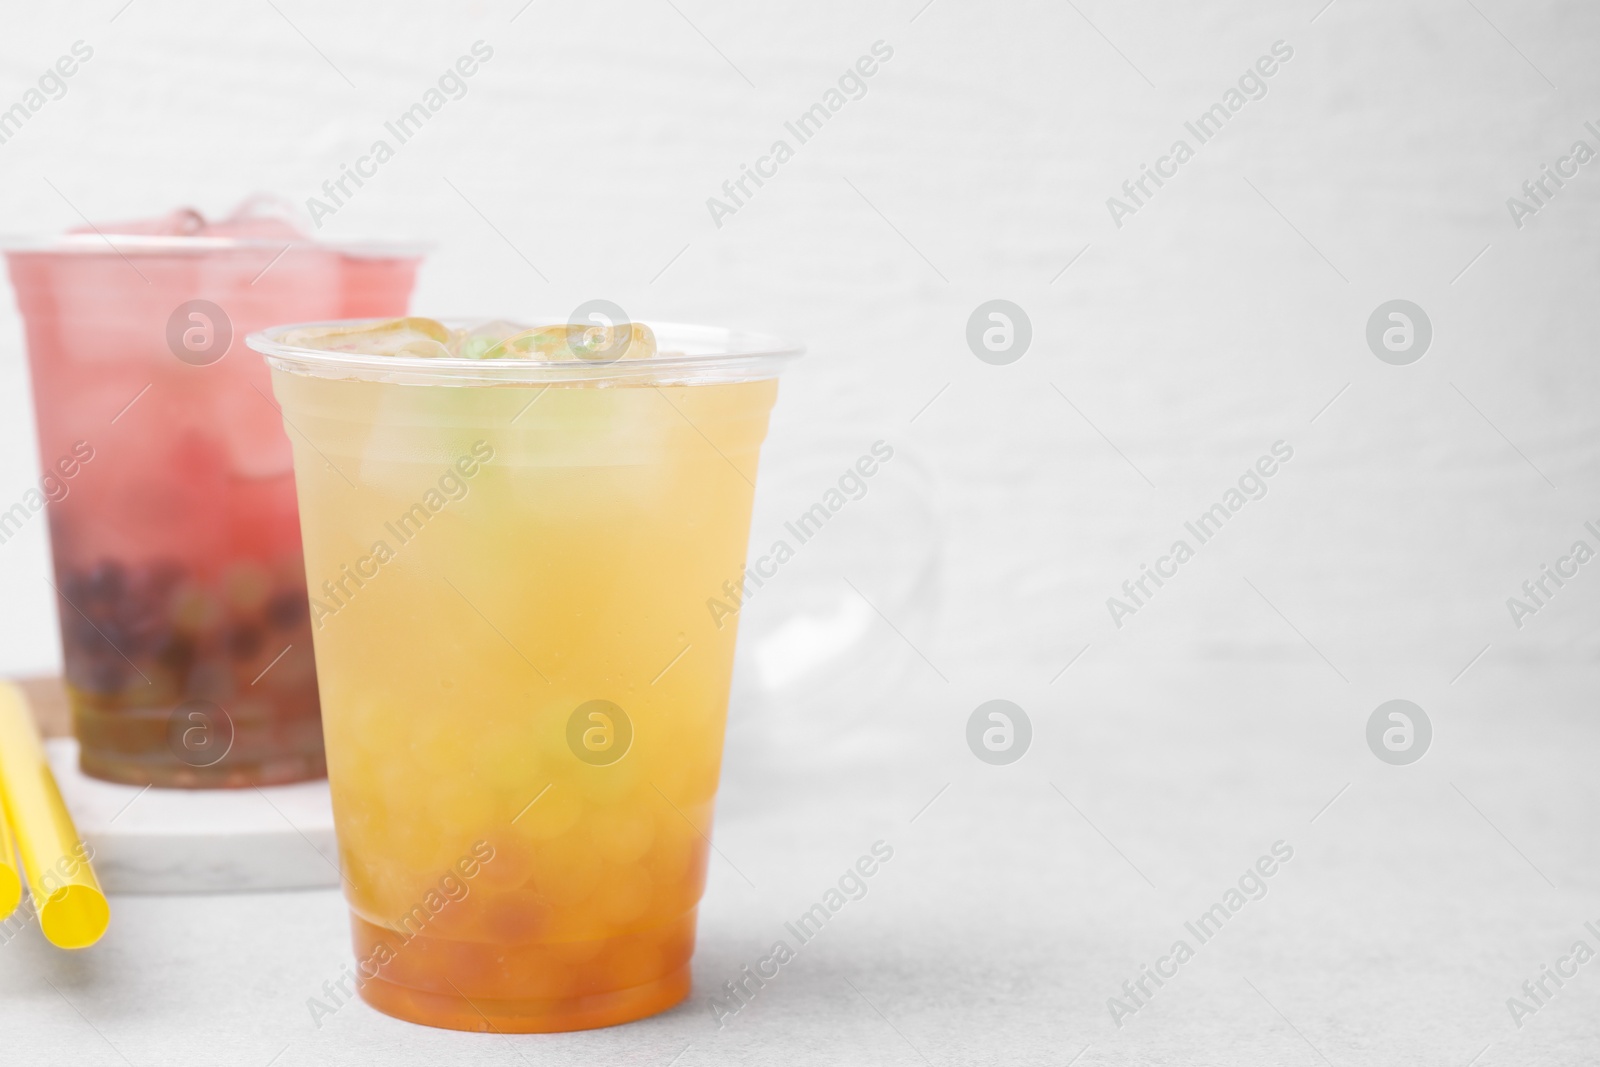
x,y
676,779
244,640
567,876
588,979
514,916
413,843
579,952
675,843
636,961
461,804
679,869
245,587
511,864
288,609
104,583
553,814
212,681
535,971
624,893
398,787
699,808
441,744
510,760
445,967
457,919
622,833
610,783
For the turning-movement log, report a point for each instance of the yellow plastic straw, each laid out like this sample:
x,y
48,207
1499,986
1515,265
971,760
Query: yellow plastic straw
x,y
10,880
72,910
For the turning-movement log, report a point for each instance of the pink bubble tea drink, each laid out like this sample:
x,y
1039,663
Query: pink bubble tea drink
x,y
173,525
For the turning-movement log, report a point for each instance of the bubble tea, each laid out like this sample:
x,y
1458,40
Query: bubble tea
x,y
172,515
519,543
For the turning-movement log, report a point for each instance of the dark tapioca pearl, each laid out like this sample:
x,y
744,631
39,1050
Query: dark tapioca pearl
x,y
163,575
245,587
106,676
79,632
288,609
117,636
74,586
210,681
106,581
175,653
145,632
142,608
244,640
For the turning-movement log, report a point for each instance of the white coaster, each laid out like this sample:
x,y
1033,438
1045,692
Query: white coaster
x,y
199,840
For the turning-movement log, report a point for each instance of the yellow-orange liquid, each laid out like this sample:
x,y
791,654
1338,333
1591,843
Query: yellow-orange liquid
x,y
566,545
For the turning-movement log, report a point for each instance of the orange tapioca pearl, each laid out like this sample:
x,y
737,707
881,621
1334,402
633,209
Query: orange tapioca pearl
x,y
536,971
508,758
649,954
635,962
431,963
678,869
475,968
595,975
511,865
676,849
414,843
614,782
553,814
458,801
567,871
441,745
690,775
457,918
625,893
513,917
622,833
576,953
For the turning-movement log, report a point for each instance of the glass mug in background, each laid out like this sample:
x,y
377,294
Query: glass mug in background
x,y
524,696
173,525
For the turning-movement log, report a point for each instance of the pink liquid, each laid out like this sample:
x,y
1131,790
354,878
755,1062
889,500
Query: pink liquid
x,y
173,524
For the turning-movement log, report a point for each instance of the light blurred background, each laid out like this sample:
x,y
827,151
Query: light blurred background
x,y
977,166
1227,314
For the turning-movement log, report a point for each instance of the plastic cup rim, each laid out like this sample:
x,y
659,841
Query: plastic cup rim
x,y
147,244
735,355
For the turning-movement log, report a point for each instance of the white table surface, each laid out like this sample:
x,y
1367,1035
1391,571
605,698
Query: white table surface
x,y
1006,918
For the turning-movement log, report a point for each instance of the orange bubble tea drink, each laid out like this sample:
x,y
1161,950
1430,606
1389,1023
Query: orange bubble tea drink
x,y
511,537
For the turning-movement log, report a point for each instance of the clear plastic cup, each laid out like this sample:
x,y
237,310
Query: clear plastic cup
x,y
173,524
513,565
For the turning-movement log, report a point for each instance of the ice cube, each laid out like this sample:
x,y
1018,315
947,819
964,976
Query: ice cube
x,y
476,342
627,340
427,348
394,337
260,217
541,342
